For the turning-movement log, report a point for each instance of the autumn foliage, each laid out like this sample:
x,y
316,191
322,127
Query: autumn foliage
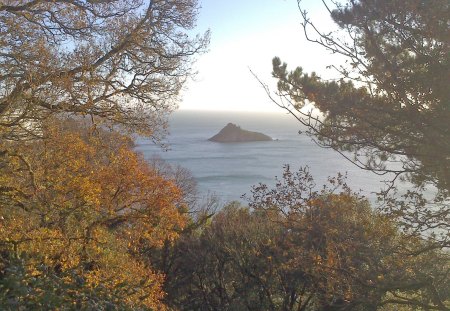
x,y
87,224
78,206
76,209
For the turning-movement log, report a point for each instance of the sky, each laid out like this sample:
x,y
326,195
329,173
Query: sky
x,y
247,34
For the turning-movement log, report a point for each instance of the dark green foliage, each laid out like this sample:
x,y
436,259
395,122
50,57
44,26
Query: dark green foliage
x,y
390,107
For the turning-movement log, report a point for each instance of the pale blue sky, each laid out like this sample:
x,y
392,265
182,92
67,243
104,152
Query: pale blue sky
x,y
248,34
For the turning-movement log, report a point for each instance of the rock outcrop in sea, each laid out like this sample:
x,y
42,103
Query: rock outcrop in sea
x,y
232,133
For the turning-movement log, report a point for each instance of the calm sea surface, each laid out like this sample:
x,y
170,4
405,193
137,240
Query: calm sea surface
x,y
229,170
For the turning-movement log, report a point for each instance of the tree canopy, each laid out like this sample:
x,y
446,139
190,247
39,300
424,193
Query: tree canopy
x,y
77,205
75,212
388,111
119,62
86,223
297,248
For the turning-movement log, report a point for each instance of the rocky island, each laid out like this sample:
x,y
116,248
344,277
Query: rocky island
x,y
232,133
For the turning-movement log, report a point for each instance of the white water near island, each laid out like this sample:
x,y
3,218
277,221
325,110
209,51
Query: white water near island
x,y
229,170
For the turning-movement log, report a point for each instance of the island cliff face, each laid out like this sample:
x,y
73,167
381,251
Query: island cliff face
x,y
232,133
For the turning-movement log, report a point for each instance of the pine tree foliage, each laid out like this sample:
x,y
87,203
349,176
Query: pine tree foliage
x,y
389,109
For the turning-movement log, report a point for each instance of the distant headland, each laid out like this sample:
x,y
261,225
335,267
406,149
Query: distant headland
x,y
232,133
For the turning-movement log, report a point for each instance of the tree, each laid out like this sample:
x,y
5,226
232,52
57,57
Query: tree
x,y
354,257
75,213
388,111
121,62
301,249
77,203
225,264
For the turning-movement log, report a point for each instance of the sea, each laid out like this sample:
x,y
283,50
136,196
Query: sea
x,y
229,170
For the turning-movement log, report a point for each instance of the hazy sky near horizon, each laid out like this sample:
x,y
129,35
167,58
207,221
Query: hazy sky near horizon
x,y
247,34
